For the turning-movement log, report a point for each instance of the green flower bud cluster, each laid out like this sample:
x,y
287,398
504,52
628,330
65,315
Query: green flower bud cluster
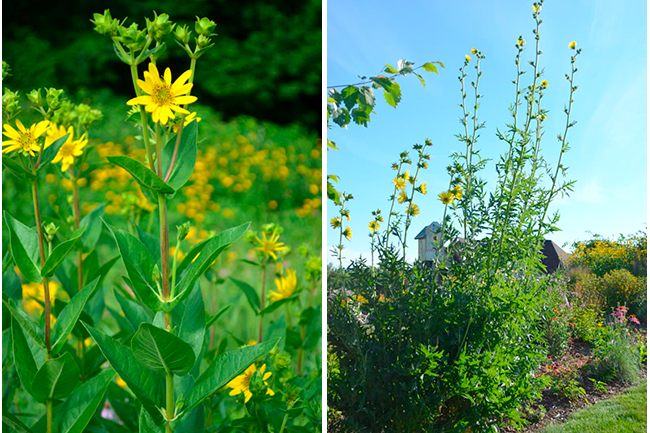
x,y
159,27
10,104
5,69
183,230
53,99
106,24
313,269
80,115
131,37
256,385
50,231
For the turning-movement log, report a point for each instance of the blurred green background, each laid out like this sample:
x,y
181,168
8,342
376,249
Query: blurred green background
x,y
266,61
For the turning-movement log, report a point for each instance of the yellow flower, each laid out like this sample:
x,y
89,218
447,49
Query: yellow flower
x,y
120,382
422,188
521,42
361,299
536,7
572,45
242,382
413,210
33,296
188,119
544,84
54,132
285,285
474,51
162,97
69,150
457,191
271,245
400,183
373,226
402,197
467,57
446,197
347,233
335,222
23,139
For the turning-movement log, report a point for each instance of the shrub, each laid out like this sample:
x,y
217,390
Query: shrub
x,y
616,355
620,287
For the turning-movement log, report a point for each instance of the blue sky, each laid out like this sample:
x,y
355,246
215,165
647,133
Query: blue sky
x,y
608,155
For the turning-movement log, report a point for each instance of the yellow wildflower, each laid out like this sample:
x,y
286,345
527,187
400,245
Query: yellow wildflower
x,y
413,210
446,197
242,382
373,226
521,42
457,191
285,285
544,84
474,51
23,139
422,188
347,233
402,197
70,150
33,296
335,222
536,7
162,97
467,58
270,246
400,183
572,45
188,119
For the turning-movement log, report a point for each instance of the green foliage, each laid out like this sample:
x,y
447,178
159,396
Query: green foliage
x,y
616,355
620,287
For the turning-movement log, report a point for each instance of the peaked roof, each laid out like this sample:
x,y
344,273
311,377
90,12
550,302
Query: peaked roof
x,y
423,233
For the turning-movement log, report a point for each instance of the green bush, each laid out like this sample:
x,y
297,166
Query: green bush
x,y
620,287
616,355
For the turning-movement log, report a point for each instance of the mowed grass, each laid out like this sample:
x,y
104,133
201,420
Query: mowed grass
x,y
625,413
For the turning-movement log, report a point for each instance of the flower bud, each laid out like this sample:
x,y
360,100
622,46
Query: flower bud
x,y
10,102
5,69
159,27
69,220
133,38
35,97
257,385
250,236
182,34
53,98
203,42
281,361
204,26
183,230
105,23
50,231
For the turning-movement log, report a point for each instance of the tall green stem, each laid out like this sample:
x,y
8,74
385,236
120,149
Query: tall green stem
x,y
143,118
76,210
262,299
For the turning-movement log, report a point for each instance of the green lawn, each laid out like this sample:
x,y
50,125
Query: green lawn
x,y
625,413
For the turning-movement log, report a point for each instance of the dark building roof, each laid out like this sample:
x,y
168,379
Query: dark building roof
x,y
553,256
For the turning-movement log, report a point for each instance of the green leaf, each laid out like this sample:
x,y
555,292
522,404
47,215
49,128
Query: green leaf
x,y
79,408
16,169
394,96
25,323
23,242
56,379
93,224
214,318
139,266
209,253
50,152
277,304
147,425
70,314
224,369
59,253
7,346
192,327
12,421
350,95
146,385
162,351
134,312
23,358
185,159
366,96
102,270
421,79
151,242
389,69
430,67
251,294
189,257
141,174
